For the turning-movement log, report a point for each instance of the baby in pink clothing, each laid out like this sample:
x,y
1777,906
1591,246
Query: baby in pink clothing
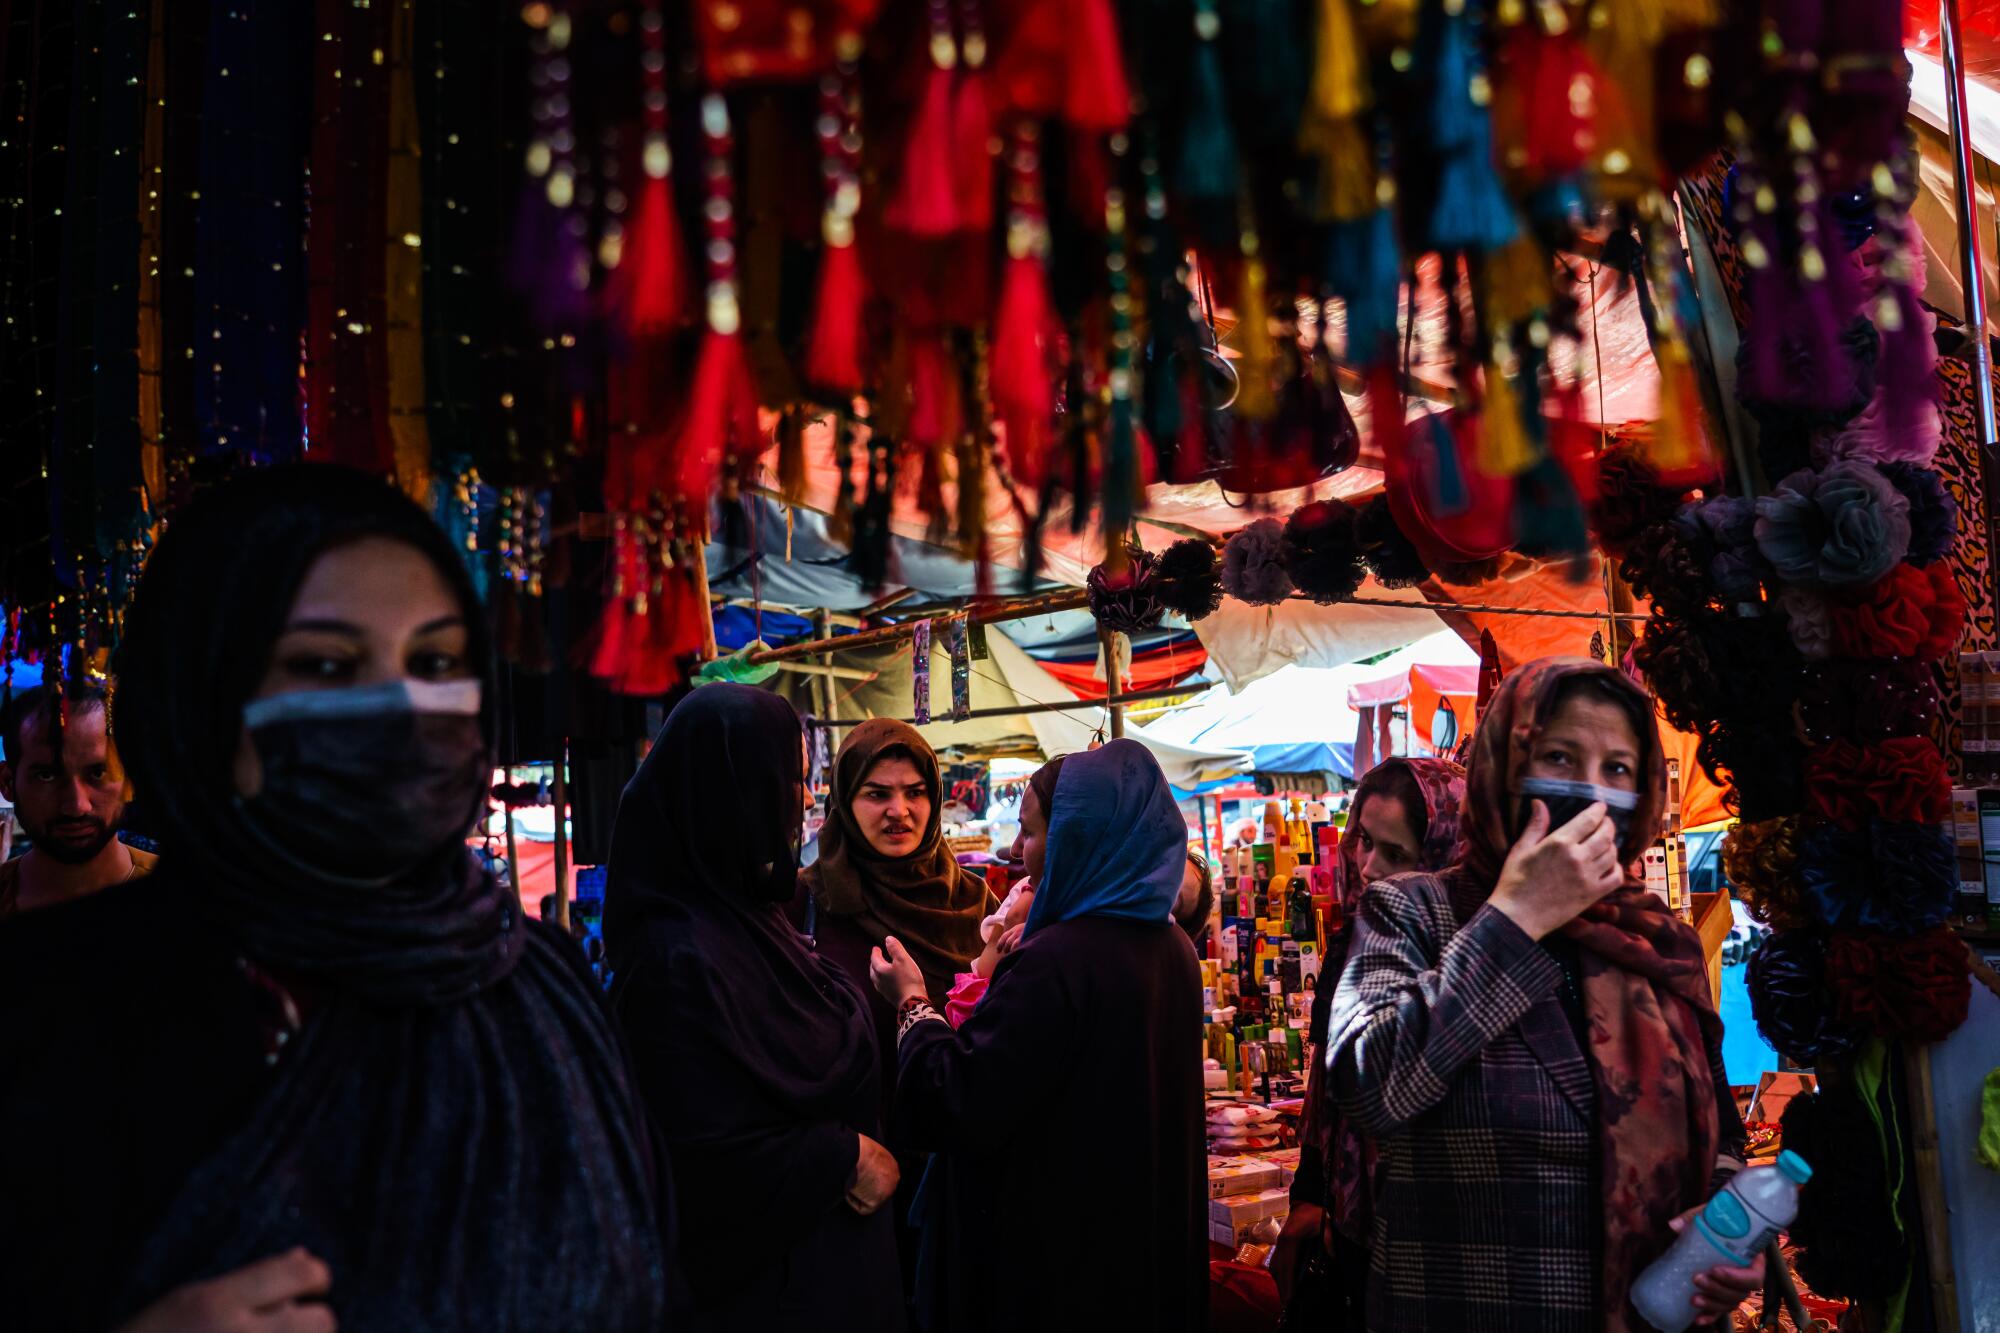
x,y
1001,931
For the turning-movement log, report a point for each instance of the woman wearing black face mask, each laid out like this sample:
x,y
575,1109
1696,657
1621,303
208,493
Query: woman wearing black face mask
x,y
319,1067
1528,1037
756,1056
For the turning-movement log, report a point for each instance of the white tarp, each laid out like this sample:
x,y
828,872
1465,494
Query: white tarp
x,y
1246,643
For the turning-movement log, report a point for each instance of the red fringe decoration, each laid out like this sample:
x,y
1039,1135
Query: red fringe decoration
x,y
833,355
1096,95
1546,130
926,199
972,135
721,417
1022,369
649,286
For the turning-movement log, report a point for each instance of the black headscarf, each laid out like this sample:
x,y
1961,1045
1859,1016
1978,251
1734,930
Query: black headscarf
x,y
756,1056
703,859
215,597
456,1096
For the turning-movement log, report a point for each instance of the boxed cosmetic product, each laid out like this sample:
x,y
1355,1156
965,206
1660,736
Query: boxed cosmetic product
x,y
1230,1177
1241,1213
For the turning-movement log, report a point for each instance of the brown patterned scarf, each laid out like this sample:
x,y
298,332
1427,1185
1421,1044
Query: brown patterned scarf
x,y
926,899
1645,986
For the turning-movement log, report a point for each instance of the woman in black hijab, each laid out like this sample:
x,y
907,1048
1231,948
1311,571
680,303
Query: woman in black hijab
x,y
756,1057
319,1029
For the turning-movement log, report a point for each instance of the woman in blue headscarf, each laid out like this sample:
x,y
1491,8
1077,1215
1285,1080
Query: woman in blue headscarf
x,y
1074,1090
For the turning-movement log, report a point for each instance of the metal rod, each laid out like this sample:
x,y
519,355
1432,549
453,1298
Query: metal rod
x,y
1972,267
1070,599
1017,710
1075,599
562,834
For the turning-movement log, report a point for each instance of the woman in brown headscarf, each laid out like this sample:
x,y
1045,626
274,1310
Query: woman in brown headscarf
x,y
1528,1036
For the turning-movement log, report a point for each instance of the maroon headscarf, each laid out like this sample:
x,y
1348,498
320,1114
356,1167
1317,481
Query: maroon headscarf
x,y
1645,981
1349,1156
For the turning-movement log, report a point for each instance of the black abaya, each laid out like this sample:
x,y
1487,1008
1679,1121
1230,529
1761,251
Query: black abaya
x,y
1067,1113
756,1058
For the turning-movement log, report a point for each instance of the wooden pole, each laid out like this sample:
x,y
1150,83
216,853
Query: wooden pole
x,y
1931,1202
513,853
1070,599
562,835
708,649
1108,641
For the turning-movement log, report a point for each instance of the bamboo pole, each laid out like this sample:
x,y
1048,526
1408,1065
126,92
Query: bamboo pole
x,y
1020,710
1931,1202
1107,640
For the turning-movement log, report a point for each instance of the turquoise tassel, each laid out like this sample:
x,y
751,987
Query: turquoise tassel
x,y
1471,211
1364,268
1207,166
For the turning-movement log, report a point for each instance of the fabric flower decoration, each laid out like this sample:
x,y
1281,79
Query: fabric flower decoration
x,y
1895,878
1914,989
1253,564
1910,612
1841,526
1933,513
1810,622
1787,982
1947,618
1898,781
1866,701
1722,535
1762,860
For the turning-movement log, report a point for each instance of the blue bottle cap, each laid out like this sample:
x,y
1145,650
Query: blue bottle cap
x,y
1794,1166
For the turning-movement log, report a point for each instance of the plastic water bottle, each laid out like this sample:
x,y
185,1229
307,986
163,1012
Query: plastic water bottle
x,y
1731,1229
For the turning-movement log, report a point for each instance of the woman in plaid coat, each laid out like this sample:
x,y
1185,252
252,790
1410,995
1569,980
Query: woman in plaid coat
x,y
1529,1036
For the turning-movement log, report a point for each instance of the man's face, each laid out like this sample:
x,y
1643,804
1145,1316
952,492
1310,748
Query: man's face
x,y
67,787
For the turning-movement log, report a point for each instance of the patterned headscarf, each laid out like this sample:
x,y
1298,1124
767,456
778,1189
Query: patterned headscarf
x,y
1350,1157
1645,981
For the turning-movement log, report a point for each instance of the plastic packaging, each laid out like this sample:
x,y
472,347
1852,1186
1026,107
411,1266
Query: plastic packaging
x,y
1732,1228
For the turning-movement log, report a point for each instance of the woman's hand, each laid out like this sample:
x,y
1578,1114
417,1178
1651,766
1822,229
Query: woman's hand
x,y
895,974
1722,1288
270,1296
1299,1238
1550,878
875,1177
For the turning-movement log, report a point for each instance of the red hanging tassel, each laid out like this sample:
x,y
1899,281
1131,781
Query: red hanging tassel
x,y
1095,94
833,355
1545,115
972,133
721,419
926,199
648,286
1023,370
833,348
1025,325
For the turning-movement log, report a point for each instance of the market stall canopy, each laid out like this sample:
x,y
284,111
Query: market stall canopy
x,y
1298,719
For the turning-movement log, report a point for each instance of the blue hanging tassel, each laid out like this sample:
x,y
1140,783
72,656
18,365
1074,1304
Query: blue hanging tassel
x,y
1548,517
1207,166
1364,268
1471,211
1121,467
1448,494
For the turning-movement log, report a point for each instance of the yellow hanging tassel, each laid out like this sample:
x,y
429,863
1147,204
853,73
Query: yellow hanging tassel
x,y
1504,450
1385,24
1340,88
1257,350
792,456
1347,177
1680,447
1517,282
1627,162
